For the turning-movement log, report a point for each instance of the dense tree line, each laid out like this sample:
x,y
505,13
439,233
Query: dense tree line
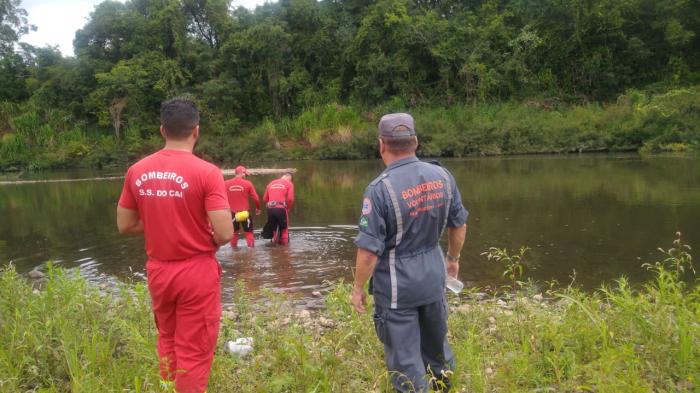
x,y
283,58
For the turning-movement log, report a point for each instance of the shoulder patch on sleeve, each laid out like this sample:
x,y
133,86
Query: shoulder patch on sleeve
x,y
366,206
364,222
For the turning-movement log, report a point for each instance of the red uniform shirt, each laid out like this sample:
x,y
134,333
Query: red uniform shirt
x,y
281,191
172,191
238,190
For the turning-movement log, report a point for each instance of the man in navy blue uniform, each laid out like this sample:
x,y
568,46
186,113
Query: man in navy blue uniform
x,y
404,212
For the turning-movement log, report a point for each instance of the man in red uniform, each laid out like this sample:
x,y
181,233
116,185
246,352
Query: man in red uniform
x,y
279,198
179,203
239,189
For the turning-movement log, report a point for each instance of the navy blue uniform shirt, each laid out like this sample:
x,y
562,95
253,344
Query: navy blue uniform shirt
x,y
404,212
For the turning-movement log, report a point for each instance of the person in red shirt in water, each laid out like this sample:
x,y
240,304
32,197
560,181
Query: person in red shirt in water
x,y
239,189
279,198
179,203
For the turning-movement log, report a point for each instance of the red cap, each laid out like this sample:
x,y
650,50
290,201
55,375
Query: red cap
x,y
241,170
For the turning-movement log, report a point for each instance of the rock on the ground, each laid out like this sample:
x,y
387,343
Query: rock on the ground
x,y
538,297
229,315
35,274
326,323
480,295
304,314
316,294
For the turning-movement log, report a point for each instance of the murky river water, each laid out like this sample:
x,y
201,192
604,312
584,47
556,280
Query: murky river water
x,y
600,215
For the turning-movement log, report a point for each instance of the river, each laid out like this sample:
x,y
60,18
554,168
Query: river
x,y
600,216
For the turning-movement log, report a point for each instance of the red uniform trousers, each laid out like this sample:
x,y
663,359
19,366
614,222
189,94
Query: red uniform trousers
x,y
186,298
283,239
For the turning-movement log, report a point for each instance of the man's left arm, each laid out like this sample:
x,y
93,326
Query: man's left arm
x,y
290,196
217,207
256,198
455,242
456,230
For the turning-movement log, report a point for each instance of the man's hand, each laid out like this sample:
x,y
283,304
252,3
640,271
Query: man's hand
x,y
257,212
359,299
452,269
364,267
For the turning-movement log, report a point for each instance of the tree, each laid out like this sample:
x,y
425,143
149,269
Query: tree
x,y
208,20
13,25
131,92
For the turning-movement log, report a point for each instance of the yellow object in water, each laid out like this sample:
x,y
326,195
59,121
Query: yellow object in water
x,y
242,216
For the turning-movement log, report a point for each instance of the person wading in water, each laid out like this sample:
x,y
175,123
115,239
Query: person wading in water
x,y
239,189
278,198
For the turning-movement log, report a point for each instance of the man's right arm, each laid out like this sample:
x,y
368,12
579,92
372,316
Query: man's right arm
x,y
128,217
128,221
364,267
370,242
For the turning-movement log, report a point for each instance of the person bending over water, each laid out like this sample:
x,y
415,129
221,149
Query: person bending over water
x,y
278,198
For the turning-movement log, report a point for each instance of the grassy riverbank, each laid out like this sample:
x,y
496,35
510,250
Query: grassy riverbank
x,y
637,121
70,337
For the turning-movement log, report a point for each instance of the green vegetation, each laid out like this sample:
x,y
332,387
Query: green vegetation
x,y
71,337
306,78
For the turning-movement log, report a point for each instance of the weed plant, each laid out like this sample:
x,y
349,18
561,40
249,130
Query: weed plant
x,y
70,337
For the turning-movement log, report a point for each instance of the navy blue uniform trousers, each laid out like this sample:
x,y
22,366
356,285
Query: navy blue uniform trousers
x,y
415,344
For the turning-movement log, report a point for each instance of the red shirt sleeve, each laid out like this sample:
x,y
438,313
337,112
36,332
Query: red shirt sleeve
x,y
266,196
127,199
254,195
215,197
290,195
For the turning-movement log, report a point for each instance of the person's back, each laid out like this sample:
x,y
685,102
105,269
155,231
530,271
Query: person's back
x,y
278,198
404,212
239,190
172,191
179,203
280,191
423,195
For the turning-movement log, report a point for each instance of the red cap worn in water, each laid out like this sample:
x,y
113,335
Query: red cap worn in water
x,y
241,170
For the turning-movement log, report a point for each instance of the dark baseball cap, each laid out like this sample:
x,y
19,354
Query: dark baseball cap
x,y
396,125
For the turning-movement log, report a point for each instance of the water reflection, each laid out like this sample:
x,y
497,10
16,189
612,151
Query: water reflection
x,y
601,215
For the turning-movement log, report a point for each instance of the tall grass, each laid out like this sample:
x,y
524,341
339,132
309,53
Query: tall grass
x,y
70,337
36,138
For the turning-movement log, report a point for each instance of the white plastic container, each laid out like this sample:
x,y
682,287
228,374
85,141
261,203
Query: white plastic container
x,y
239,347
453,284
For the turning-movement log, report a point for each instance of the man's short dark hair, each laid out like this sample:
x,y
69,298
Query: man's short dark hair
x,y
179,116
400,144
